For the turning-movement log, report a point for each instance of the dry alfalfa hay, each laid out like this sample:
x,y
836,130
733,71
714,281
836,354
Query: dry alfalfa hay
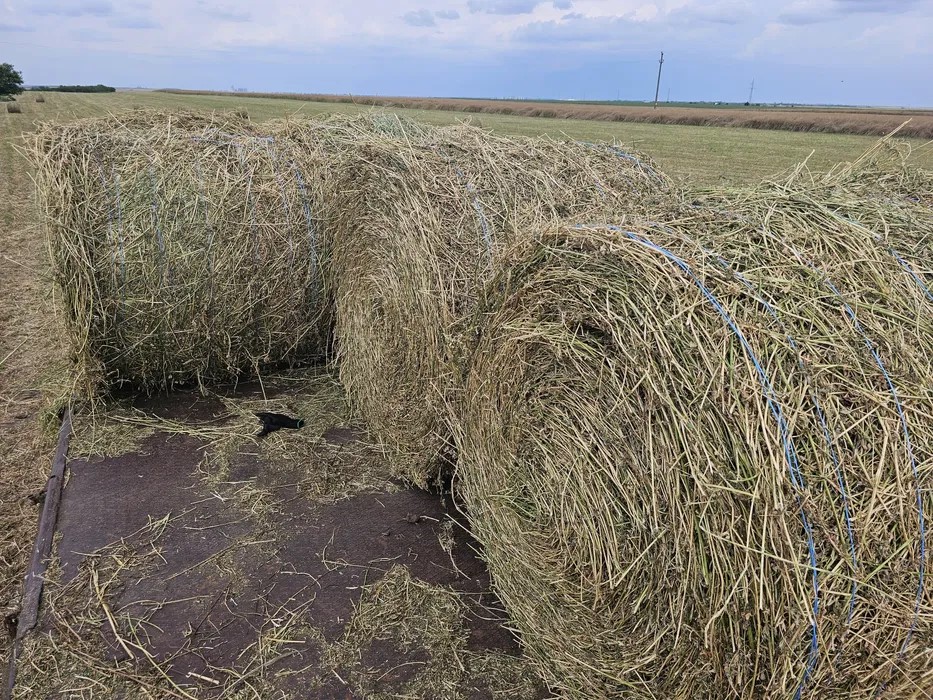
x,y
698,457
185,247
420,226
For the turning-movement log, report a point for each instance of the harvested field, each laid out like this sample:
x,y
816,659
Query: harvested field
x,y
702,155
867,121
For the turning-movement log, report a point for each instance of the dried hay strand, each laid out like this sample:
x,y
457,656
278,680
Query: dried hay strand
x,y
185,247
425,626
698,458
420,225
880,196
99,641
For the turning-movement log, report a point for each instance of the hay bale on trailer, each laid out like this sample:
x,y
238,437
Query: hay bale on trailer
x,y
185,246
419,227
698,457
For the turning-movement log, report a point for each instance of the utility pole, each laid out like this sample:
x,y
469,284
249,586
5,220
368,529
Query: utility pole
x,y
668,94
657,89
751,91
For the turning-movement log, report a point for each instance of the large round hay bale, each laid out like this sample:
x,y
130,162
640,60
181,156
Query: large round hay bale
x,y
418,230
699,465
186,247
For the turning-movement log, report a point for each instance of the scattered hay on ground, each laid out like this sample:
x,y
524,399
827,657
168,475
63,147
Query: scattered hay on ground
x,y
94,644
405,637
418,228
420,626
326,471
682,449
73,653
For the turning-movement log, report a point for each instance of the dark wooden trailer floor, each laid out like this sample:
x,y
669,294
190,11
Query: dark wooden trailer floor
x,y
179,575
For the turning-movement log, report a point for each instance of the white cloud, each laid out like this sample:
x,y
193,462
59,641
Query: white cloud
x,y
442,32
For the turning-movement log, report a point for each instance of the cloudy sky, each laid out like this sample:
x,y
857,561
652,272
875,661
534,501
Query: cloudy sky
x,y
818,51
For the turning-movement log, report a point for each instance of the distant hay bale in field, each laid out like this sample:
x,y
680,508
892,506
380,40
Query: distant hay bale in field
x,y
40,98
185,246
14,108
418,228
698,456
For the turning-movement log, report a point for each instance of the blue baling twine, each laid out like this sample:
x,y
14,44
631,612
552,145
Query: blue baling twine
x,y
116,182
155,217
921,521
790,452
477,205
897,256
908,445
114,244
621,154
817,407
273,156
210,234
312,234
913,273
625,155
250,201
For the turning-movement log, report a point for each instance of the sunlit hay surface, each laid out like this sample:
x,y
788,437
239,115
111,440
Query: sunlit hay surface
x,y
184,247
660,422
419,227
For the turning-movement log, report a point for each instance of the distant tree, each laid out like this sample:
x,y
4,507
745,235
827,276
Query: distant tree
x,y
74,88
11,81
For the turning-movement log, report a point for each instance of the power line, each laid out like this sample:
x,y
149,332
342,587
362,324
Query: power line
x,y
657,89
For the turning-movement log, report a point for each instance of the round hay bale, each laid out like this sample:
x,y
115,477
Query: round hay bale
x,y
185,247
699,465
418,229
